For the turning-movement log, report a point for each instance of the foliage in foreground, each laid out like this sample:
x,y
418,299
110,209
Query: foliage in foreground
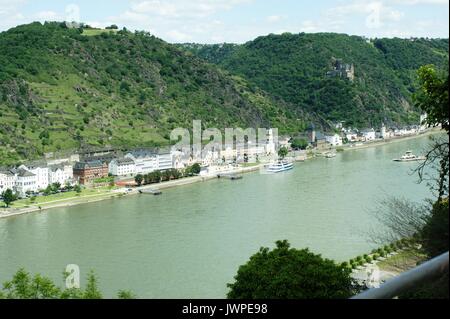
x,y
25,286
288,273
435,239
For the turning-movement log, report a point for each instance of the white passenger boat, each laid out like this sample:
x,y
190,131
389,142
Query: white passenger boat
x,y
280,166
410,157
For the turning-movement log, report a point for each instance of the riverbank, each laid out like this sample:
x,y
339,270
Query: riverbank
x,y
116,193
393,140
74,201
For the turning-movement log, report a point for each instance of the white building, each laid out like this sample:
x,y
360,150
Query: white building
x,y
26,181
164,161
384,134
369,135
7,181
423,122
122,167
334,140
351,136
41,172
145,161
61,174
270,143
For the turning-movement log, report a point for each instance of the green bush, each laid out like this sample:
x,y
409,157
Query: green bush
x,y
369,259
405,242
288,273
435,238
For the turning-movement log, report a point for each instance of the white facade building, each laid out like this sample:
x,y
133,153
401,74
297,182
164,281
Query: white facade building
x,y
369,135
41,172
7,181
145,162
164,162
351,136
334,140
61,174
122,167
26,181
271,147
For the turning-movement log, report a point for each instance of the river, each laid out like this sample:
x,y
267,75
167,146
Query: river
x,y
189,242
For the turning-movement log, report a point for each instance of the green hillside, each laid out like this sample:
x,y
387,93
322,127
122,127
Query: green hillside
x,y
65,89
294,67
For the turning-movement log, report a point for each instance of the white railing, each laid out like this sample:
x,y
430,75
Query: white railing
x,y
407,281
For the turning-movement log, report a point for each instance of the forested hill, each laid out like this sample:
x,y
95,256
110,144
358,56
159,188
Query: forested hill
x,y
294,67
63,89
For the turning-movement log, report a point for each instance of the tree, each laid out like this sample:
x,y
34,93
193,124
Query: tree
x,y
77,189
288,273
400,217
56,187
196,169
139,179
435,238
126,294
8,197
283,152
25,286
48,190
432,98
167,175
175,173
299,144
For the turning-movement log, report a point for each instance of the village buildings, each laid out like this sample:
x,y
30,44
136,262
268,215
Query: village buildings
x,y
87,172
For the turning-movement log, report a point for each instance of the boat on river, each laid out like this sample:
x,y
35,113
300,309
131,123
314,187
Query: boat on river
x,y
150,191
330,155
280,166
410,157
233,177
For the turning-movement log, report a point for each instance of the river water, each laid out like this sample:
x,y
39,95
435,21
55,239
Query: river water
x,y
189,242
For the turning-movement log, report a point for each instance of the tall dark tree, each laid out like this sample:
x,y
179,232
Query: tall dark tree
x,y
433,99
8,197
139,179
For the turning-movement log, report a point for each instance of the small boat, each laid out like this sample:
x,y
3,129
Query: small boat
x,y
330,155
410,157
280,166
232,177
151,191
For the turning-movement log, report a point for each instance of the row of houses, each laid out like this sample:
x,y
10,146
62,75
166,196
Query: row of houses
x,y
35,177
349,135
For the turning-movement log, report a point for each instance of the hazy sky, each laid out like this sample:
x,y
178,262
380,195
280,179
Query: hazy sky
x,y
213,21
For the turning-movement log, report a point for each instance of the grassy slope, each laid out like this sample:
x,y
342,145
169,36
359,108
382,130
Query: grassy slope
x,y
63,90
293,67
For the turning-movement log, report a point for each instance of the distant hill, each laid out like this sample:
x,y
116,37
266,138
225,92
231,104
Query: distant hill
x,y
294,67
70,88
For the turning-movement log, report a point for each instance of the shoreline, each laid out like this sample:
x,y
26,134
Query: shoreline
x,y
172,184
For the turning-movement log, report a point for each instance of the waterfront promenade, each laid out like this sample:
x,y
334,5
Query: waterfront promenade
x,y
116,193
